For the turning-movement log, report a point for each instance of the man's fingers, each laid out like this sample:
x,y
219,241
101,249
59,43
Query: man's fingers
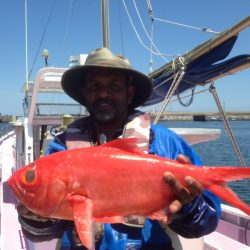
x,y
183,159
195,188
175,207
184,194
181,192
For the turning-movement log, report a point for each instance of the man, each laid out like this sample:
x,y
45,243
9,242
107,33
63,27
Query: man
x,y
111,90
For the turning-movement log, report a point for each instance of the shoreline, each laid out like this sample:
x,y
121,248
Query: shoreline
x,y
201,116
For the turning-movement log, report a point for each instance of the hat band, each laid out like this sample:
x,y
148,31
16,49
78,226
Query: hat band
x,y
108,63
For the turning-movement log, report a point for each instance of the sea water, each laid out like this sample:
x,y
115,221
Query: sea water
x,y
5,128
221,152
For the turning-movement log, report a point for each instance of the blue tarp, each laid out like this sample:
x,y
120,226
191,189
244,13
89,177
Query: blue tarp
x,y
199,71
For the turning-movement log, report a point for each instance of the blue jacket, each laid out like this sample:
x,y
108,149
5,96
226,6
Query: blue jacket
x,y
194,220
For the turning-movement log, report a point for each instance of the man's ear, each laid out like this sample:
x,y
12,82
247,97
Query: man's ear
x,y
131,93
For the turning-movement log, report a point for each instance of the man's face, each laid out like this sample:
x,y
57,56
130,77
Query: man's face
x,y
107,95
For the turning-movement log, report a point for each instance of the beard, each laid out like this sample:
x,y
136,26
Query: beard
x,y
104,111
104,117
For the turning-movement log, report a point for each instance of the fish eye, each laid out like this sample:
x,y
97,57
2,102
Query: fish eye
x,y
29,177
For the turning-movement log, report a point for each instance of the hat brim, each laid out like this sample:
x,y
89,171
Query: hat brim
x,y
73,82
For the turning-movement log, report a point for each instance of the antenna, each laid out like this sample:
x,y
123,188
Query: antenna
x,y
45,54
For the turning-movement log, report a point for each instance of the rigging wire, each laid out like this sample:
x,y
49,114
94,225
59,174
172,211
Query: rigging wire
x,y
227,126
177,79
68,21
156,51
146,32
203,29
137,34
151,47
42,38
150,9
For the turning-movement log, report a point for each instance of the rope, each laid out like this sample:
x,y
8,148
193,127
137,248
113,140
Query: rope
x,y
193,94
227,126
189,102
177,79
167,79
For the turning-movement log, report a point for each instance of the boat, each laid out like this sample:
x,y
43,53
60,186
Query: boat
x,y
43,119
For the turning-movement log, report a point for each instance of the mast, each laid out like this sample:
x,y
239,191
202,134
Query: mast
x,y
105,24
26,98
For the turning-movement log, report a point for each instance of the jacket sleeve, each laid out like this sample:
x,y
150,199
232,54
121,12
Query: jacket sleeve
x,y
201,216
41,230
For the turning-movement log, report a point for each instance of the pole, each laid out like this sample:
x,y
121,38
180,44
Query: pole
x,y
26,50
105,24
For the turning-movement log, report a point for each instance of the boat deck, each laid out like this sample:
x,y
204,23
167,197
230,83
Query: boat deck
x,y
10,228
12,237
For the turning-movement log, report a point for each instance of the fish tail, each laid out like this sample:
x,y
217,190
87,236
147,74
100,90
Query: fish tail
x,y
224,174
229,196
221,175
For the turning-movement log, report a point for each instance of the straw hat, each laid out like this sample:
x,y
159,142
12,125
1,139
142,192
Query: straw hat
x,y
73,79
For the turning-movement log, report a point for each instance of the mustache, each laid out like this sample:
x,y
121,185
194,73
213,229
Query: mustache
x,y
103,101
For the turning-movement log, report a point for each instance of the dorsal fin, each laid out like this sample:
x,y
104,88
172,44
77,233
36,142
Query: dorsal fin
x,y
130,145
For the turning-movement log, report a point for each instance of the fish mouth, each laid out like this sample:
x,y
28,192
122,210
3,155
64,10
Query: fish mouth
x,y
14,188
17,190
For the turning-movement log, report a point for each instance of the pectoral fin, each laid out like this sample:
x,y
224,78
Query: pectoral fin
x,y
82,214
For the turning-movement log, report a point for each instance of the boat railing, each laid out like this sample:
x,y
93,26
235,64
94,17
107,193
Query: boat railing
x,y
233,231
52,113
44,89
48,102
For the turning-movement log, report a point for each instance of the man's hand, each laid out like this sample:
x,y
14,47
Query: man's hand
x,y
184,194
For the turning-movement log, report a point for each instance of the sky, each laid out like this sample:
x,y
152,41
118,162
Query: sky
x,y
75,28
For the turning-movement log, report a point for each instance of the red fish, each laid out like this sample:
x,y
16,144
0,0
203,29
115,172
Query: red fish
x,y
109,183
